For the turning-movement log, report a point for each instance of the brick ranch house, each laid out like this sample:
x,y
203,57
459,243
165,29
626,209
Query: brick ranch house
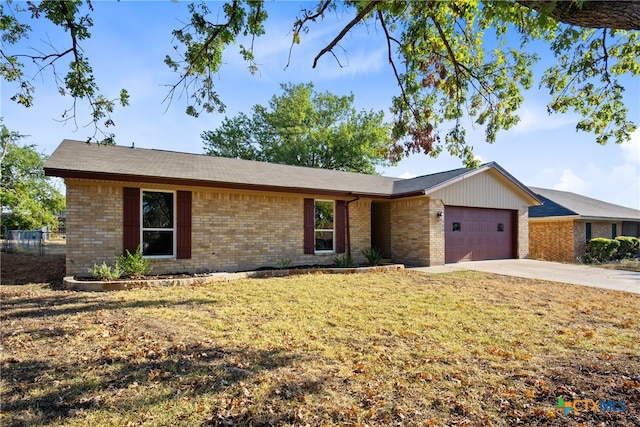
x,y
560,228
193,212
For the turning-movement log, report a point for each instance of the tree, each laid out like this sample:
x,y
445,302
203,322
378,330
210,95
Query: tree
x,y
305,128
29,198
457,63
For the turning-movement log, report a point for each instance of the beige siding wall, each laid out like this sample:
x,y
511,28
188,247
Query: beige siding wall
x,y
482,190
552,240
230,230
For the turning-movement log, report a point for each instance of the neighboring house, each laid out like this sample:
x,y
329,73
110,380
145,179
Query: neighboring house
x,y
560,228
194,212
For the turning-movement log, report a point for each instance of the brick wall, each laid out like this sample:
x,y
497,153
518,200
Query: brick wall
x,y
551,240
436,232
230,230
522,249
94,225
598,229
410,242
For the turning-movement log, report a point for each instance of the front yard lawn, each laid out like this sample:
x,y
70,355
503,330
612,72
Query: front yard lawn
x,y
400,348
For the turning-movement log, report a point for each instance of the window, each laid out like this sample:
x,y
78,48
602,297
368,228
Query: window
x,y
456,227
500,227
132,221
614,231
588,231
324,226
158,223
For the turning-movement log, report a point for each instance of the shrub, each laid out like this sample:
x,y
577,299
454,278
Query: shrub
x,y
343,261
627,246
134,265
105,272
373,256
602,249
285,263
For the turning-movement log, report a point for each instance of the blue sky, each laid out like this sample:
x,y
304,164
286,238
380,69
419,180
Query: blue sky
x,y
130,40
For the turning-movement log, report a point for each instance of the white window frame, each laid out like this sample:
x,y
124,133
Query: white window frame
x,y
174,249
332,230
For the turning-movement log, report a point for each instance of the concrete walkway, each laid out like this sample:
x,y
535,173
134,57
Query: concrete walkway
x,y
618,280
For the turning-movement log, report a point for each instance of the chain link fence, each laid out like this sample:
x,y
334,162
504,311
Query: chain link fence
x,y
35,242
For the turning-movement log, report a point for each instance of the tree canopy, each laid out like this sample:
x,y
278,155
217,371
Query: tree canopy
x,y
29,198
458,63
305,128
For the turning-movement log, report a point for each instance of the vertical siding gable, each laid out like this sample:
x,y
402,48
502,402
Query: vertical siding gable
x,y
487,189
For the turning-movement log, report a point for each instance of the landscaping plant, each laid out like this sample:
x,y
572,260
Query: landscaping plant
x,y
373,256
134,265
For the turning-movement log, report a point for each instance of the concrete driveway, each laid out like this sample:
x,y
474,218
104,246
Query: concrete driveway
x,y
618,280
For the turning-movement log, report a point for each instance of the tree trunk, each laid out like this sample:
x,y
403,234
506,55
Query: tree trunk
x,y
621,15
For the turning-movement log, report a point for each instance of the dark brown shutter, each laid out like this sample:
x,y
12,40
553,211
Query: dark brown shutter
x,y
341,210
309,226
131,219
184,225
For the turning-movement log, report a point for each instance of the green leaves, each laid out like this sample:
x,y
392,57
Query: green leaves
x,y
201,43
73,17
585,80
29,198
457,63
305,128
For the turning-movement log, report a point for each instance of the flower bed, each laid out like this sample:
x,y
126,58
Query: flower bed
x,y
78,284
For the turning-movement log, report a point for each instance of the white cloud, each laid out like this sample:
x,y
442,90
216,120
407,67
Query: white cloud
x,y
535,118
407,175
631,149
569,181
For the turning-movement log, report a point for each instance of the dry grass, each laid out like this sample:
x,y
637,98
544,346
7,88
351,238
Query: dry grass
x,y
371,349
625,264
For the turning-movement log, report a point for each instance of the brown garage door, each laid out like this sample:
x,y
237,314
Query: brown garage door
x,y
473,234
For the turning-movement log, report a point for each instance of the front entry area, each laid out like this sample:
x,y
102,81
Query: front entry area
x,y
473,234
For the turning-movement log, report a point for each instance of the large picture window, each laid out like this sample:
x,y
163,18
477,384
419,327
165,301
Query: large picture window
x,y
324,225
158,223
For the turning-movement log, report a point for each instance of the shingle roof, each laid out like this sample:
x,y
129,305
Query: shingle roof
x,y
562,203
82,160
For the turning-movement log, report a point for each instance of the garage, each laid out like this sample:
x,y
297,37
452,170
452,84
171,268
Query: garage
x,y
474,234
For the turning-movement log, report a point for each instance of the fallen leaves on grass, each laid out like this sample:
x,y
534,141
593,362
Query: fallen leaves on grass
x,y
373,349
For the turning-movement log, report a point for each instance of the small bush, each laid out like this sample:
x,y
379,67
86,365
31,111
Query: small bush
x,y
627,246
602,249
285,263
343,261
105,272
373,256
134,265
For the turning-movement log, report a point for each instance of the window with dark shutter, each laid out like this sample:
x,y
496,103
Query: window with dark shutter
x,y
341,214
131,219
184,225
309,224
160,218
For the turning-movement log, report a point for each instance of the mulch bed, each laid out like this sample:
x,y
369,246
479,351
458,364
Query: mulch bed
x,y
20,269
